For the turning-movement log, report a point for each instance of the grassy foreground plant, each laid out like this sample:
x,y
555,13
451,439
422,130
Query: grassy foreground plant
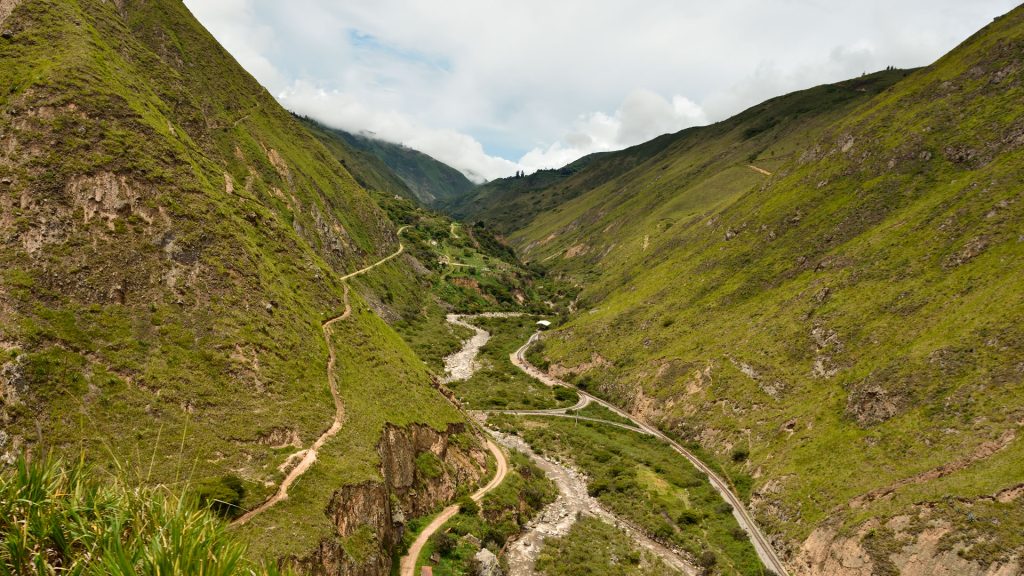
x,y
59,519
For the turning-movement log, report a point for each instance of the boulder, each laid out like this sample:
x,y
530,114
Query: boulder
x,y
485,563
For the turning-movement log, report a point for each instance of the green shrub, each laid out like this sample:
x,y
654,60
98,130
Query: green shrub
x,y
469,506
707,560
563,394
689,517
429,466
223,495
443,543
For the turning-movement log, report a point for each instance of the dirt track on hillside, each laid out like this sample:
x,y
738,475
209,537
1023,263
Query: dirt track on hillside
x,y
307,456
407,565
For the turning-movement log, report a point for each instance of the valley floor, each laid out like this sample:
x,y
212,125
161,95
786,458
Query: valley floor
x,y
575,499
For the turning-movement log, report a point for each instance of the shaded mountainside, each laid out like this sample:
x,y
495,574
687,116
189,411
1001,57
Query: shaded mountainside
x,y
430,182
367,168
170,244
507,204
843,335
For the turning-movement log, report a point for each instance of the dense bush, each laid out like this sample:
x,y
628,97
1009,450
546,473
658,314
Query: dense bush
x,y
223,495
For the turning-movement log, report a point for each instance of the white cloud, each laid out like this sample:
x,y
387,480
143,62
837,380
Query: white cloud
x,y
479,83
643,115
342,110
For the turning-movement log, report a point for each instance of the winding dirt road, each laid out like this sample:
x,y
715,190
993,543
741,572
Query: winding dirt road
x,y
307,456
573,499
407,565
764,549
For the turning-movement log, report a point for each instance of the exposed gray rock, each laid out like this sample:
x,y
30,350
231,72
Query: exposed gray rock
x,y
485,563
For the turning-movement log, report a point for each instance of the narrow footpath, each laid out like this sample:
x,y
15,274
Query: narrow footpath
x,y
299,463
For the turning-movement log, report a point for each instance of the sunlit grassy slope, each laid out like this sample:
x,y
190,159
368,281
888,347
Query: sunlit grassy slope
x,y
853,320
170,244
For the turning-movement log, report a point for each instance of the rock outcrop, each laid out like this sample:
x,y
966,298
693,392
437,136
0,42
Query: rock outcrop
x,y
421,469
485,563
827,553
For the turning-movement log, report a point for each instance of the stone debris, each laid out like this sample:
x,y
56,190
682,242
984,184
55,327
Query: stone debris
x,y
557,518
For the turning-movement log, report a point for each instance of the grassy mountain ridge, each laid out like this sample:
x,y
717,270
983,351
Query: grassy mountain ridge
x,y
844,333
509,204
170,243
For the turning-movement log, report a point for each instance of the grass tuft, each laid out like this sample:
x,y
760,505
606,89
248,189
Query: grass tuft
x,y
66,519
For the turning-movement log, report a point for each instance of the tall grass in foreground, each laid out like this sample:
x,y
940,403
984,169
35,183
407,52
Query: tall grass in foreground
x,y
59,519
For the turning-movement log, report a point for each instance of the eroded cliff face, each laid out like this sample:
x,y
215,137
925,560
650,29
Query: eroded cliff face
x,y
421,470
900,546
424,468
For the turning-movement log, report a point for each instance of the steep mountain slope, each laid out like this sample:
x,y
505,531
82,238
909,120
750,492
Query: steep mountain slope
x,y
368,169
510,204
432,183
840,330
171,242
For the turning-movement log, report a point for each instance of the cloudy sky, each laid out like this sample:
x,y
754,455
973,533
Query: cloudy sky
x,y
492,87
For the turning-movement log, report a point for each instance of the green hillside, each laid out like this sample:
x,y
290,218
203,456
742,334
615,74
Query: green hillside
x,y
171,241
840,324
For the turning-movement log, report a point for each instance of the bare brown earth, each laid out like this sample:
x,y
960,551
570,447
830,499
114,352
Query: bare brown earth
x,y
6,7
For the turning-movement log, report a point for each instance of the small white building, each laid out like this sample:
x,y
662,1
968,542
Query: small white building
x,y
543,324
